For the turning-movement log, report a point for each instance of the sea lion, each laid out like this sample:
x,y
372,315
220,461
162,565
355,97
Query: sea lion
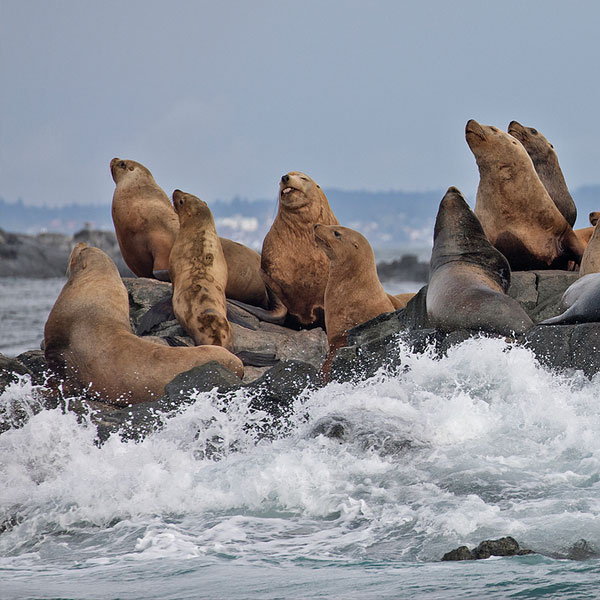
x,y
469,278
545,162
292,264
145,222
198,271
515,210
89,343
146,226
585,233
580,302
353,294
590,263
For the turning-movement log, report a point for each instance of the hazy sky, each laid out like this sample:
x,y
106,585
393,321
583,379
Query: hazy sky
x,y
220,98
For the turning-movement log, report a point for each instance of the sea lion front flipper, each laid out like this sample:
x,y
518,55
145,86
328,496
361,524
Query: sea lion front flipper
x,y
158,313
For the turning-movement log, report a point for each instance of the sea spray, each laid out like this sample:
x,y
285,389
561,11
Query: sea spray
x,y
478,444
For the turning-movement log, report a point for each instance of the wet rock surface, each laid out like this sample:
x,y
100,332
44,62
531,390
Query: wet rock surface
x,y
506,546
47,254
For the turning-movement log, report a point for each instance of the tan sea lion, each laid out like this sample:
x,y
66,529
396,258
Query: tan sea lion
x,y
515,210
353,294
585,233
545,162
469,278
145,222
198,271
146,226
292,264
89,342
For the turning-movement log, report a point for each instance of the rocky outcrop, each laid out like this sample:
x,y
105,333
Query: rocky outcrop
x,y
47,254
281,363
563,347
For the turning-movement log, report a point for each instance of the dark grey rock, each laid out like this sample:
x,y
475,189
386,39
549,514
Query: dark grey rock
x,y
460,553
10,369
276,391
550,344
523,288
506,546
585,348
47,254
35,361
540,292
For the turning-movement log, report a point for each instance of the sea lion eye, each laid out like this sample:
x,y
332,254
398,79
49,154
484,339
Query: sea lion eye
x,y
337,234
533,131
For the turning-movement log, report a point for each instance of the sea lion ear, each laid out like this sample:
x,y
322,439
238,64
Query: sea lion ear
x,y
131,167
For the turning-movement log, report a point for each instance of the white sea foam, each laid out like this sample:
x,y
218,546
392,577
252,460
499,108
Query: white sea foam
x,y
479,444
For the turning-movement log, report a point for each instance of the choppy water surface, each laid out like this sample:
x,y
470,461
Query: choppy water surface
x,y
24,307
477,445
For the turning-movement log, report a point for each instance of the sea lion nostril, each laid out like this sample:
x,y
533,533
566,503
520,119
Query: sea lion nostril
x,y
285,178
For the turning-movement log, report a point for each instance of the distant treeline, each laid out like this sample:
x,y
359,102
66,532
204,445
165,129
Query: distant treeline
x,y
385,218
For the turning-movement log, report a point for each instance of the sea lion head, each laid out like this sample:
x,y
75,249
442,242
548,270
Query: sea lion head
x,y
459,236
123,170
83,256
190,206
594,216
297,190
537,146
337,241
494,149
77,260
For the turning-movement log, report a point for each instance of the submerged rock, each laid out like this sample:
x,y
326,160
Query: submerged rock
x,y
506,546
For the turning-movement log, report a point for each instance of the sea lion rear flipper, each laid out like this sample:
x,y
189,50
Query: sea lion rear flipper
x,y
276,313
158,313
237,316
257,359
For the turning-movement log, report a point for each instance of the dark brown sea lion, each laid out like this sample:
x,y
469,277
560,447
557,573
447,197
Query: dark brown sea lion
x,y
89,342
515,210
546,165
469,278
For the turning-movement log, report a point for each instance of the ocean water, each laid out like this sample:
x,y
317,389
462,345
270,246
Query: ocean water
x,y
479,444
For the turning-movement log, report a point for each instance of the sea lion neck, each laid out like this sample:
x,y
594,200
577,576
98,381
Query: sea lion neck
x,y
459,236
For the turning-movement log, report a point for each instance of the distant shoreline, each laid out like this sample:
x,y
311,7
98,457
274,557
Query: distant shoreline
x,y
45,255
